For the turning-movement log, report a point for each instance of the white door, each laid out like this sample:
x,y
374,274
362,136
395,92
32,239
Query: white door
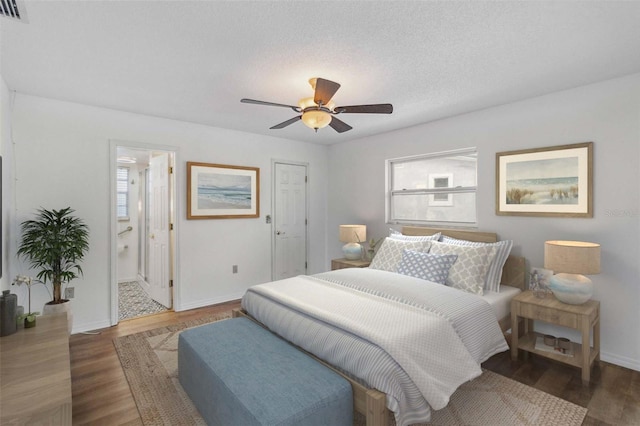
x,y
290,220
159,243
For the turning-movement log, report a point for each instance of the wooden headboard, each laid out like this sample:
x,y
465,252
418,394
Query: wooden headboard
x,y
514,272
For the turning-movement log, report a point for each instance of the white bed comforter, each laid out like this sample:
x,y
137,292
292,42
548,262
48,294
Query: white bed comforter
x,y
435,336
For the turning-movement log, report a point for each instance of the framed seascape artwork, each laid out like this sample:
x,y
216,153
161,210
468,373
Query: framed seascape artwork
x,y
552,181
217,191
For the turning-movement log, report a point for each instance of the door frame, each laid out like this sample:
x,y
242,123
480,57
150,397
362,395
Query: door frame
x,y
273,211
174,211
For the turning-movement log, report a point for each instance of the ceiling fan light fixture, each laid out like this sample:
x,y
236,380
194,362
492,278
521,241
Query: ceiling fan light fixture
x,y
317,112
316,119
305,103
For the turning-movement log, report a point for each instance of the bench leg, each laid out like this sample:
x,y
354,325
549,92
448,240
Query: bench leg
x,y
377,413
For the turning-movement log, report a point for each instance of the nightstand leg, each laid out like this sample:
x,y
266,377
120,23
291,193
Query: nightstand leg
x,y
515,329
596,338
528,328
586,351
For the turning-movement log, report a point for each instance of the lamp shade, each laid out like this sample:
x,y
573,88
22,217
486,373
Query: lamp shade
x,y
353,233
315,116
572,257
316,119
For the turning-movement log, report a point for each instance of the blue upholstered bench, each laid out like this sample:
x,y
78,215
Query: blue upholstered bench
x,y
238,373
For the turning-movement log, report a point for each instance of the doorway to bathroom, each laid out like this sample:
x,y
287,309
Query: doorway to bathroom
x,y
143,209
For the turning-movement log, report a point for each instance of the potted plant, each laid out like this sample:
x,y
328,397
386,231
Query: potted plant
x,y
30,317
372,248
54,243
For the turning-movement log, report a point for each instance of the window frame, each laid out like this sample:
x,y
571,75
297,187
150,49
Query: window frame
x,y
430,191
127,194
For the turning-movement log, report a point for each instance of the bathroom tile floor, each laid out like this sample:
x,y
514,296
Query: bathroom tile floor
x,y
134,302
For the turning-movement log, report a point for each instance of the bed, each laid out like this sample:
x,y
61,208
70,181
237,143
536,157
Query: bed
x,y
404,343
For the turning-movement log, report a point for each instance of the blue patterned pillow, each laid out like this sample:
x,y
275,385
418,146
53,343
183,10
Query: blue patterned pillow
x,y
427,266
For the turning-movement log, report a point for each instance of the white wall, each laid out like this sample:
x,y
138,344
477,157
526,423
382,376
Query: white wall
x,y
62,159
6,150
607,114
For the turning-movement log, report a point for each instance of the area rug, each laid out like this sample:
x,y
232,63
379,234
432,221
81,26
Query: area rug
x,y
150,363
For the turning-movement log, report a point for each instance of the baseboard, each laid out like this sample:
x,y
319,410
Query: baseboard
x,y
89,326
95,325
208,302
622,361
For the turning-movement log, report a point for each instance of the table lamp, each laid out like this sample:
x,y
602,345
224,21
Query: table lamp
x,y
352,235
572,259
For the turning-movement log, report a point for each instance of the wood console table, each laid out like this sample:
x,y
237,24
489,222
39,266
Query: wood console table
x,y
35,374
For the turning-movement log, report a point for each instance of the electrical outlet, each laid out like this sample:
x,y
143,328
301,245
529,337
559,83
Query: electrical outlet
x,y
69,292
235,269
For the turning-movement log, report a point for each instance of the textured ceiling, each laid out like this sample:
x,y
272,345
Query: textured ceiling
x,y
194,61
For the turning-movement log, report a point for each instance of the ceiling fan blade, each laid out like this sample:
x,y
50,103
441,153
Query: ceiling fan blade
x,y
325,89
253,101
339,125
365,109
286,123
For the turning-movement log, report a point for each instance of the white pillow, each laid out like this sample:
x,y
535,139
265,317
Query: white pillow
x,y
470,270
400,236
494,275
389,255
426,266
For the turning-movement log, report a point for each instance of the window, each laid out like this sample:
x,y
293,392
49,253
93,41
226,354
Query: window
x,y
434,189
122,179
440,181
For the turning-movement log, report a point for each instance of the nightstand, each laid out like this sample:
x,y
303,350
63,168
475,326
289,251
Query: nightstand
x,y
346,263
583,317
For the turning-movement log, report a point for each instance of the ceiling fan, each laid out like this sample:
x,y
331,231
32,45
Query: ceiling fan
x,y
320,111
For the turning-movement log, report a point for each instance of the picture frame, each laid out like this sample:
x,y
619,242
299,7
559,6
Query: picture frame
x,y
220,191
553,181
540,276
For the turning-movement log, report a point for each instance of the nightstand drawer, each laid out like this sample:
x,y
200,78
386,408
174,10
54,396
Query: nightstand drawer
x,y
551,315
346,263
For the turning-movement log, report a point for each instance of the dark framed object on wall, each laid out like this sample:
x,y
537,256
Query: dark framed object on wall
x,y
218,191
553,181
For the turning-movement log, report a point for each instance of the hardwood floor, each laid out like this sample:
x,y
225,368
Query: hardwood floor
x,y
612,397
100,390
101,394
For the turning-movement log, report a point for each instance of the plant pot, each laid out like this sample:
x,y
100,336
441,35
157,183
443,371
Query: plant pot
x,y
57,308
30,322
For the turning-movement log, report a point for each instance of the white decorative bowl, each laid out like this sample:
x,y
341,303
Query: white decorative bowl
x,y
573,289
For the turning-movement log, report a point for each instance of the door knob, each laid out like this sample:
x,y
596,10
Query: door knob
x,y
279,233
